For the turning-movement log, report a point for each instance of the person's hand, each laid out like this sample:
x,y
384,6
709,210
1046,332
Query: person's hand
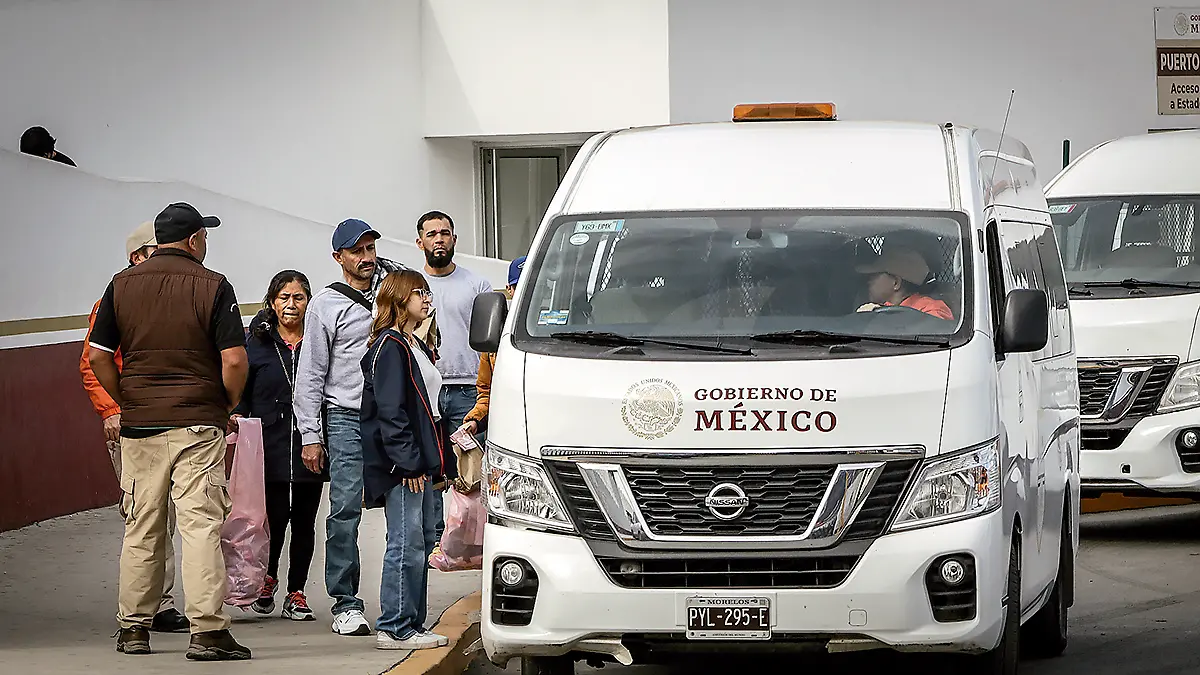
x,y
415,485
470,427
112,428
867,307
313,456
232,427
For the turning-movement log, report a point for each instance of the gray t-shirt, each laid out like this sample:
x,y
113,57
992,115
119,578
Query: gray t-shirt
x,y
453,297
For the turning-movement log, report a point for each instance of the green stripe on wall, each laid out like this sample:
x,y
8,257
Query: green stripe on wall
x,y
75,322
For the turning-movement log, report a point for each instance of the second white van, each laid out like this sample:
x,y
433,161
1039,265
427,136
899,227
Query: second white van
x,y
1125,215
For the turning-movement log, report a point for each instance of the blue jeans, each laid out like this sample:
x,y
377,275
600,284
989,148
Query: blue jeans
x,y
344,445
455,401
404,588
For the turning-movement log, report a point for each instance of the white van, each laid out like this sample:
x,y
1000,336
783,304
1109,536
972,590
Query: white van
x,y
783,382
1125,214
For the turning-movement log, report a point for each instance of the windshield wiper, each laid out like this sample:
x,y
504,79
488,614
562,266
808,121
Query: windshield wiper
x,y
605,338
820,337
1075,289
1138,283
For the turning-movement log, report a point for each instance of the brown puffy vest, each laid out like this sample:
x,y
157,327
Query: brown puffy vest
x,y
171,374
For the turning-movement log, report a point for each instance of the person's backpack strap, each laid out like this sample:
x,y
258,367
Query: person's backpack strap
x,y
351,293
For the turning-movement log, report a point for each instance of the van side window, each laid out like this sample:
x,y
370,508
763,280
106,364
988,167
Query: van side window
x,y
1052,270
995,275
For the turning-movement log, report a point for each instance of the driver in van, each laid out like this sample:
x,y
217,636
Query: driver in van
x,y
893,280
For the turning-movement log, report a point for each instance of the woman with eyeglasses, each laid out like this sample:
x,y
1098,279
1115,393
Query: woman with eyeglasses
x,y
404,454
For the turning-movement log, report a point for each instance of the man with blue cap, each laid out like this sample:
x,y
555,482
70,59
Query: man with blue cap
x,y
326,402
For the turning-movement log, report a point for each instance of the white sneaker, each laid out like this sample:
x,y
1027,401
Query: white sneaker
x,y
351,622
442,640
386,640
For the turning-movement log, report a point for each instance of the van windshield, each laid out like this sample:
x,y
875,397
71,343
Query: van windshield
x,y
1143,243
748,275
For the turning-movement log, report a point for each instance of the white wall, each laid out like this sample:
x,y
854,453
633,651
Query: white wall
x,y
65,231
1083,70
543,66
310,107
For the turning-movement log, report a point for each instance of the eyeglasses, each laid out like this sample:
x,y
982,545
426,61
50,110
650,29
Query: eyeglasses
x,y
425,293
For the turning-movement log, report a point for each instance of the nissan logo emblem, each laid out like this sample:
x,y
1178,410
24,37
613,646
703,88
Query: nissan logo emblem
x,y
726,501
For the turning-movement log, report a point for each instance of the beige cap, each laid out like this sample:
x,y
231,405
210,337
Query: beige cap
x,y
140,238
899,262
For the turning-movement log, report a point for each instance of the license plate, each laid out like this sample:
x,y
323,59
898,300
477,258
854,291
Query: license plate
x,y
728,618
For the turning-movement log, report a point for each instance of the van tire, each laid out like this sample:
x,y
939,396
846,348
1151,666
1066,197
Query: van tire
x,y
1045,635
1005,658
547,665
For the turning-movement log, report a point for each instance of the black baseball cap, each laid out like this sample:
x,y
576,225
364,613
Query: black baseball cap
x,y
180,221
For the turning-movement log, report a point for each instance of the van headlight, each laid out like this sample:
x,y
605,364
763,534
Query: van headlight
x,y
519,489
1184,389
960,486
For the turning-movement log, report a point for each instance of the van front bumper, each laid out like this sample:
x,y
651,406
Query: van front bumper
x,y
883,603
1147,460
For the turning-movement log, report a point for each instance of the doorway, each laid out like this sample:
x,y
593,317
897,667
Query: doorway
x,y
518,184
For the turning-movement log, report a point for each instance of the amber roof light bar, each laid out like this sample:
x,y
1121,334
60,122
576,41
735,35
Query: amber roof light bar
x,y
782,112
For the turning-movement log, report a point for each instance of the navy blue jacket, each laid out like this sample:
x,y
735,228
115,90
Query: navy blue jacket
x,y
400,439
268,396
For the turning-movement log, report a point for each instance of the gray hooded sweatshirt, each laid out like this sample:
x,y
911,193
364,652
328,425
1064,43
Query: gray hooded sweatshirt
x,y
330,371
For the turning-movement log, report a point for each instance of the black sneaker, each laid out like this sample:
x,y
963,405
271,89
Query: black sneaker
x,y
216,645
169,621
135,640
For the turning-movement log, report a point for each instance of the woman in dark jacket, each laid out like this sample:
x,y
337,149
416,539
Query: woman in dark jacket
x,y
293,491
404,456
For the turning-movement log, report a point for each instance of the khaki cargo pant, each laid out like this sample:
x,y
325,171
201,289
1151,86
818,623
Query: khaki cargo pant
x,y
168,599
185,466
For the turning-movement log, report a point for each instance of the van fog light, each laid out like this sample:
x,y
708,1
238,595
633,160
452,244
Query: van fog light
x,y
511,573
1189,439
953,572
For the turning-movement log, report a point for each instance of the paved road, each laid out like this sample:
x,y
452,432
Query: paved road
x,y
1137,610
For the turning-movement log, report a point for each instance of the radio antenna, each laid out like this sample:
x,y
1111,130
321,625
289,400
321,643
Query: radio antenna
x,y
1000,146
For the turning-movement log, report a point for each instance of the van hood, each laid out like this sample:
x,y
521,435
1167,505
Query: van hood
x,y
1130,327
850,402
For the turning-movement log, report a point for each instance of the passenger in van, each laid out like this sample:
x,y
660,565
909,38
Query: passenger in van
x,y
893,280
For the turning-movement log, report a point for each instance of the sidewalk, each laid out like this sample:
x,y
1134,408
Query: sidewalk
x,y
58,600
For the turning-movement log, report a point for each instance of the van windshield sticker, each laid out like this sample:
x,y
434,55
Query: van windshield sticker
x,y
1062,208
594,226
553,317
579,239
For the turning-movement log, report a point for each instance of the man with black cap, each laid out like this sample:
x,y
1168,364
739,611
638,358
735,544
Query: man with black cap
x,y
37,141
179,330
326,403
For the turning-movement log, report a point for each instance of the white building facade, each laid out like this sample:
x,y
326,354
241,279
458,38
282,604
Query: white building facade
x,y
285,117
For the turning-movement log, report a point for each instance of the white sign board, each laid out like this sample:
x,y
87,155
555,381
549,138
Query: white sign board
x,y
1177,55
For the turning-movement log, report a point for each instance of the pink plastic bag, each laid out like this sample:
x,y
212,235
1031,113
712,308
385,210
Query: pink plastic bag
x,y
245,542
462,540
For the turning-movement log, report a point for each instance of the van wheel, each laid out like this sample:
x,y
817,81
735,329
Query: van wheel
x,y
1003,660
1045,635
547,665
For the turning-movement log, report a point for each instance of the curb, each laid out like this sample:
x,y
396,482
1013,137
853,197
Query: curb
x,y
459,623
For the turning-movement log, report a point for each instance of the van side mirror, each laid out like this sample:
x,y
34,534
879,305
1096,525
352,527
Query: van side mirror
x,y
1026,325
488,313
